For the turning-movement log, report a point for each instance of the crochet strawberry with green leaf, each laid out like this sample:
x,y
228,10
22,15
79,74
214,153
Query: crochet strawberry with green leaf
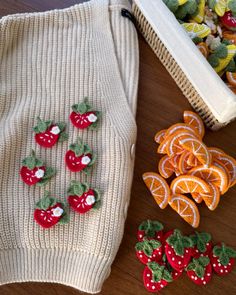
x,y
83,116
82,198
79,157
48,133
222,259
49,211
148,250
178,250
202,244
150,229
156,277
199,270
34,171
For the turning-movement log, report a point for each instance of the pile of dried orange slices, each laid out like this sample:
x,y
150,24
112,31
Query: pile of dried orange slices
x,y
202,173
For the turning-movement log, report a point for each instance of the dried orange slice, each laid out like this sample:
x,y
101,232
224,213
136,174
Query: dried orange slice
x,y
183,163
212,199
215,152
158,187
175,161
197,197
186,208
195,121
181,127
185,184
203,48
160,135
162,149
165,167
173,147
193,161
212,174
198,148
220,165
230,164
231,77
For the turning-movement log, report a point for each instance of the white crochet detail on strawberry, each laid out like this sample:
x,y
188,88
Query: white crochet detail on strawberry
x,y
85,160
55,130
57,212
39,173
92,118
90,200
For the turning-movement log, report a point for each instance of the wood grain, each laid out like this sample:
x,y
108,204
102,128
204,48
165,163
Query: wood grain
x,y
160,103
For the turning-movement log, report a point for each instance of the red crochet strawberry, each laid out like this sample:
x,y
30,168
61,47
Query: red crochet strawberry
x,y
148,250
199,270
48,134
222,259
83,116
166,236
178,250
156,277
150,229
175,273
202,244
50,211
79,157
82,198
34,171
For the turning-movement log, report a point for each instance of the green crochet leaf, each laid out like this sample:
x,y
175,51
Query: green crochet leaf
x,y
217,250
221,51
64,219
224,258
199,270
231,67
211,4
46,202
61,125
151,227
230,252
148,246
232,6
63,136
191,266
87,149
197,40
190,7
204,260
172,4
42,126
82,107
213,60
167,276
49,173
31,162
77,148
93,160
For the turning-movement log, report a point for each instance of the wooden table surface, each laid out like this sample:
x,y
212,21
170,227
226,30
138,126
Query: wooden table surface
x,y
160,103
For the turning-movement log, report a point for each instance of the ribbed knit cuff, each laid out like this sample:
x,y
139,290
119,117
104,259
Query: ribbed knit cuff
x,y
80,270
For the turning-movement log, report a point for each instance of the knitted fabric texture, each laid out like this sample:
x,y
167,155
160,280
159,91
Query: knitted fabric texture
x,y
49,62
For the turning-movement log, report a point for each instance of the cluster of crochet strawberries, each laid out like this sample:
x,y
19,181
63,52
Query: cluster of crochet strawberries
x,y
167,254
50,211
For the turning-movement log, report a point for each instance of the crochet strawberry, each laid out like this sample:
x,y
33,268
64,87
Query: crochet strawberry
x,y
79,157
222,259
82,198
34,171
47,133
150,229
178,250
202,244
148,250
156,277
199,270
175,273
50,211
83,116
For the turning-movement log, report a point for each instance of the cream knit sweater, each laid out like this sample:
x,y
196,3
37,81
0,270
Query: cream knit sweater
x,y
48,62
